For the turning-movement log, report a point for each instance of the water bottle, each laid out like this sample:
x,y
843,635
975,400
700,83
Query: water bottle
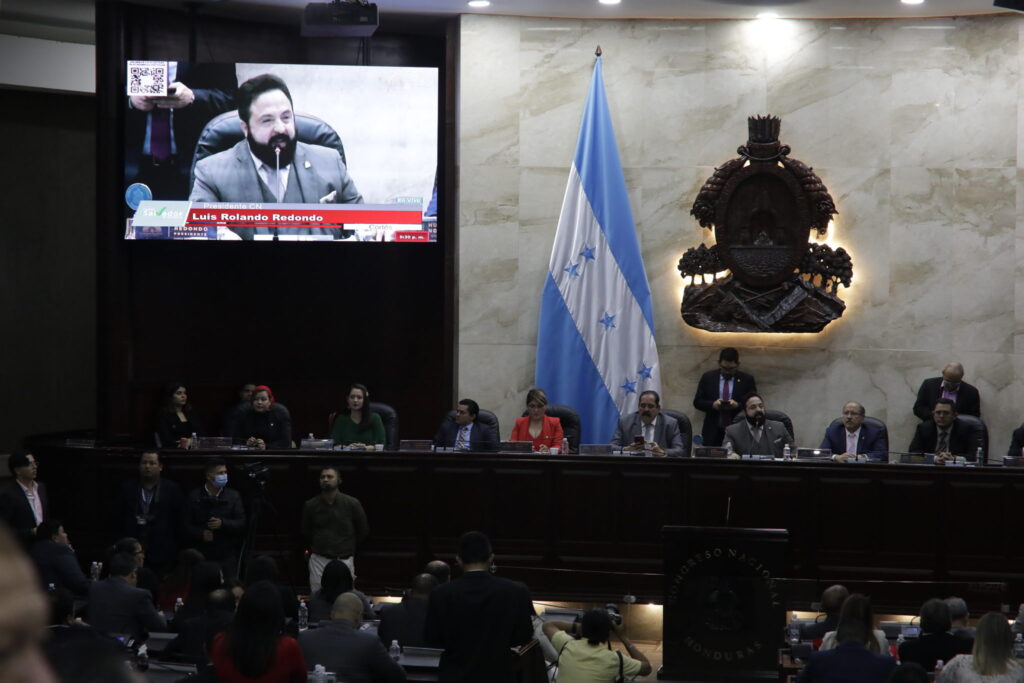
x,y
1018,646
565,446
979,457
194,443
319,674
395,651
95,569
178,604
303,615
939,666
728,449
794,631
142,658
787,452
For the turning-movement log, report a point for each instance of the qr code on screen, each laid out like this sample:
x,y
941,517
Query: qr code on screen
x,y
147,78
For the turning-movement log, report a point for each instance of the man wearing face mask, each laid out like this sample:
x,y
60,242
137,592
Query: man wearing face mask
x,y
215,518
270,165
756,435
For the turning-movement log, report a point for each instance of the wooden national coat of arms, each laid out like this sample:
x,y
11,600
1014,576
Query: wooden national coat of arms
x,y
762,207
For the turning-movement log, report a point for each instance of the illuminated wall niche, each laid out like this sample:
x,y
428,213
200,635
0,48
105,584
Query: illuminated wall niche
x,y
764,274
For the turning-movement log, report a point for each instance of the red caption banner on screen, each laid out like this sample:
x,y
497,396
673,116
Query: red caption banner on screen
x,y
283,215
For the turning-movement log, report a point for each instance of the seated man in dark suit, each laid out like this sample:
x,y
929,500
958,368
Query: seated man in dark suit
x,y
853,437
404,622
943,435
756,435
466,434
718,395
117,607
74,647
24,504
851,661
965,397
477,618
650,430
936,641
959,616
832,599
338,644
195,634
56,560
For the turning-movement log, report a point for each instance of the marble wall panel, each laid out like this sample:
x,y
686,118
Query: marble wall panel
x,y
914,126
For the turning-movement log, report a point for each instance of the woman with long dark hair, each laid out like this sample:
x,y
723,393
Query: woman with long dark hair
x,y
254,650
176,421
357,425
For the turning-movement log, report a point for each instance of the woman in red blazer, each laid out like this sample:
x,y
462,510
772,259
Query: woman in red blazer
x,y
544,431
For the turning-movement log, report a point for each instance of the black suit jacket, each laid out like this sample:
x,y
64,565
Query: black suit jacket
x,y
849,663
1016,442
968,401
355,656
115,607
404,622
481,437
57,564
707,393
960,442
16,511
476,619
932,647
159,535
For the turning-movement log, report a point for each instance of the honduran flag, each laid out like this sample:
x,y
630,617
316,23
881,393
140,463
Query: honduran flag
x,y
595,345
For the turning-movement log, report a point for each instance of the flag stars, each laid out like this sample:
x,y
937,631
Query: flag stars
x,y
644,372
608,321
587,253
573,270
629,387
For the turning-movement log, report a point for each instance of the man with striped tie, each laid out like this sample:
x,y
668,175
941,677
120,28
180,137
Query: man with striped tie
x,y
465,433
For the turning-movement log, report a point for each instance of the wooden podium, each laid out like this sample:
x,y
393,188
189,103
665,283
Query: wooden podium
x,y
724,613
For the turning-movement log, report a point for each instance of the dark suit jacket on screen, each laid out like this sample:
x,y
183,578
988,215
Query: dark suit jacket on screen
x,y
16,511
871,441
773,438
707,393
849,663
475,619
481,437
960,443
115,607
666,433
968,401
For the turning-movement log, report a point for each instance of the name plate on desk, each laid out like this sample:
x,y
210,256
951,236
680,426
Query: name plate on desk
x,y
1013,461
812,453
316,444
750,456
709,452
516,447
917,459
213,442
414,444
595,449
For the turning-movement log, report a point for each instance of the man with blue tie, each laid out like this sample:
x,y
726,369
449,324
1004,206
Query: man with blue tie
x,y
465,433
854,437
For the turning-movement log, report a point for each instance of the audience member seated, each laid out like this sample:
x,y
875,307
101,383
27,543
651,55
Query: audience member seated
x,y
958,616
244,400
850,661
854,437
404,622
264,568
176,422
253,648
1016,448
24,504
650,430
832,599
992,660
965,397
196,633
73,644
265,423
145,578
205,578
465,433
338,644
544,431
440,570
215,519
56,560
935,642
149,509
175,585
944,435
756,435
117,607
591,659
357,426
335,581
458,610
858,607
909,672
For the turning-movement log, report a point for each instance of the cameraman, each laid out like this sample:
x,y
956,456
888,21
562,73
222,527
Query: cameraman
x,y
591,659
215,518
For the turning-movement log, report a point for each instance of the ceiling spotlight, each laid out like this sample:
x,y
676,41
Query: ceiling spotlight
x,y
609,2
767,15
477,4
912,2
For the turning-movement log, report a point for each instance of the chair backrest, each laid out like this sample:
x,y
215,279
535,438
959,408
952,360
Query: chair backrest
x,y
389,416
868,420
977,435
571,425
776,415
684,427
484,417
224,131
